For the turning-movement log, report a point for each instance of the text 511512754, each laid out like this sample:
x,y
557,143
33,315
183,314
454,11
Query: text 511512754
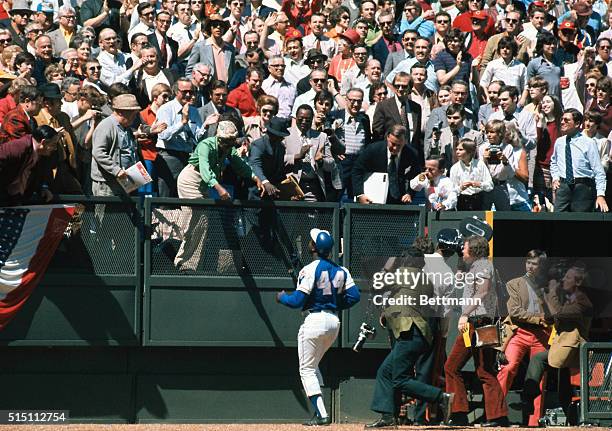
x,y
8,417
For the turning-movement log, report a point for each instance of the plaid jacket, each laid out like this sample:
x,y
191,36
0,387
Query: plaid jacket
x,y
16,124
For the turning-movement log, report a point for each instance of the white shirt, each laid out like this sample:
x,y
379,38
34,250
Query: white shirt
x,y
178,32
475,171
499,171
151,81
354,77
513,73
113,68
70,108
443,191
283,91
328,46
304,99
141,27
295,70
525,122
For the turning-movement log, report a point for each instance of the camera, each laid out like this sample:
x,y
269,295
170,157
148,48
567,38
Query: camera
x,y
494,155
365,332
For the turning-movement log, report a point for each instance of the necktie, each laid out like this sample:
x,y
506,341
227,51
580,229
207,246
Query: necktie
x,y
393,183
238,41
318,43
164,52
455,143
569,169
403,115
189,35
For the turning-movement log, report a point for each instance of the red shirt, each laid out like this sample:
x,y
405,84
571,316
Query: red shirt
x,y
242,99
464,23
299,19
546,144
147,148
477,46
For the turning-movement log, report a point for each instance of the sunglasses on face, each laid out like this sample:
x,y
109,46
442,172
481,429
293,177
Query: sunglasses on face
x,y
606,47
386,23
186,92
268,111
318,80
591,85
476,21
511,21
6,41
443,21
69,16
165,96
401,86
94,68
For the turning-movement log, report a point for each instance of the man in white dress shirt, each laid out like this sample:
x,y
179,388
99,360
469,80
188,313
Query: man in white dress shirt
x,y
440,193
146,13
113,61
276,85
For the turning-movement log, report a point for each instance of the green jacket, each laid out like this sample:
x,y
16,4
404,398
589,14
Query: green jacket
x,y
209,162
400,318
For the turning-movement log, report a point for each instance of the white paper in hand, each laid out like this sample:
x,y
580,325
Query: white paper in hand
x,y
137,176
376,187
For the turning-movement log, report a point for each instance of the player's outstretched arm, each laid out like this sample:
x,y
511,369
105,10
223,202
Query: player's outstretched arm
x,y
296,299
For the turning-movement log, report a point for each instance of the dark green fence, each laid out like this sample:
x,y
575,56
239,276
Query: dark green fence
x,y
117,332
91,293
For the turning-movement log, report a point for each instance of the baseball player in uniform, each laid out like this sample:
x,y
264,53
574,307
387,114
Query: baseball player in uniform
x,y
324,288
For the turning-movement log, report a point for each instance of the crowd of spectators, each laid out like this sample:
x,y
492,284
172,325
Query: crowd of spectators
x,y
466,105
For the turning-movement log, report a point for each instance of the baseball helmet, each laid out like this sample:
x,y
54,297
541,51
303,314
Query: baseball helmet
x,y
324,243
449,239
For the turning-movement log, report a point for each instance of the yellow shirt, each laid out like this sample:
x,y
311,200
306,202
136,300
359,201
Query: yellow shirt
x,y
67,36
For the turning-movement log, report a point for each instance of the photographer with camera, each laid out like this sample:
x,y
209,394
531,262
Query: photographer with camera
x,y
412,340
495,154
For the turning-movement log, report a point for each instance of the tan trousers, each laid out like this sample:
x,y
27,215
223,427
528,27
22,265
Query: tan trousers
x,y
194,225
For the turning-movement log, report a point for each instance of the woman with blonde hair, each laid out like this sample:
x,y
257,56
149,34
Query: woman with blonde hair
x,y
517,183
7,59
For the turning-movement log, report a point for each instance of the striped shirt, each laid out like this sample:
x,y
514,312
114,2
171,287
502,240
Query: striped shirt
x,y
354,134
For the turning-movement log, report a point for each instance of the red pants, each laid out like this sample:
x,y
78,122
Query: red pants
x,y
523,342
484,360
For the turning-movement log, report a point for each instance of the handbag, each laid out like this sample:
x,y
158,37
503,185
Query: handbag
x,y
488,336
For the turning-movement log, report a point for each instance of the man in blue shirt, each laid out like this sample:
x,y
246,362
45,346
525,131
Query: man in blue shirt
x,y
324,288
578,176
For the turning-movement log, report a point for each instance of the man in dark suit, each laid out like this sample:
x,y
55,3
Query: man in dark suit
x,y
400,110
150,74
18,159
167,48
268,158
392,156
255,8
412,340
217,107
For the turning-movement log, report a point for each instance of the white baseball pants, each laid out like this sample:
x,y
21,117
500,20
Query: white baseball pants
x,y
316,335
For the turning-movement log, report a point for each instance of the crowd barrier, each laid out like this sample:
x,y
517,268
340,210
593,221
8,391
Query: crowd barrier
x,y
206,342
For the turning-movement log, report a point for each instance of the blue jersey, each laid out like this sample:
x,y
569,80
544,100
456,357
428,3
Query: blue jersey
x,y
324,283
